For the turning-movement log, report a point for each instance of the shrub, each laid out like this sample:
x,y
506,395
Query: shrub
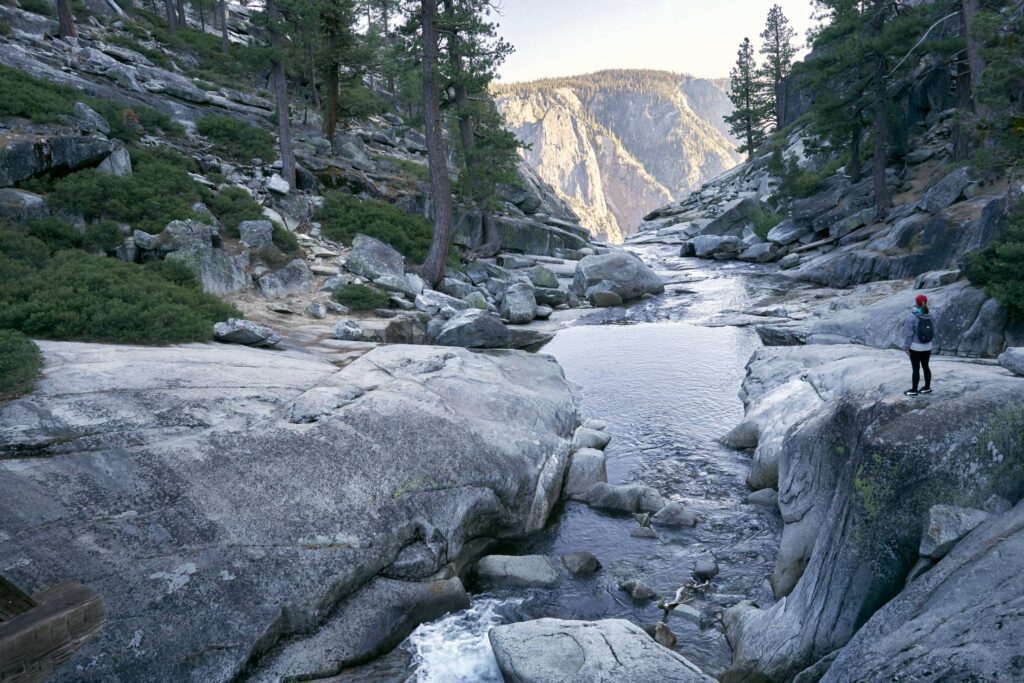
x,y
17,246
272,257
95,298
360,297
157,192
232,205
343,216
5,28
764,220
20,364
44,102
38,7
999,267
236,138
285,240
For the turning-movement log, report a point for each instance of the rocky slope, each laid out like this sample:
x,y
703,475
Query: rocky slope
x,y
616,144
874,490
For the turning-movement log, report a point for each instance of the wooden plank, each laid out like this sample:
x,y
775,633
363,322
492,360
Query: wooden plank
x,y
12,600
34,643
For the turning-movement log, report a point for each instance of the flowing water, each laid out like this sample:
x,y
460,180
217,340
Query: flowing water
x,y
666,385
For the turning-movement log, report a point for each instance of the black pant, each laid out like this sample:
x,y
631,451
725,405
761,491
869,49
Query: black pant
x,y
919,359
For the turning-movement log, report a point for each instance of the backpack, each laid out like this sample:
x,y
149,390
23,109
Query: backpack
x,y
925,329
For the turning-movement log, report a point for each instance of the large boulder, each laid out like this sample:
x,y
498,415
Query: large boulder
x,y
857,482
294,278
588,468
1013,360
961,621
735,218
787,232
25,156
218,272
608,651
946,525
372,259
256,234
267,511
519,306
629,277
711,246
20,205
946,191
474,329
245,332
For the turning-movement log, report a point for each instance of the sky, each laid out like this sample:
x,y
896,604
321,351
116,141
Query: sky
x,y
699,37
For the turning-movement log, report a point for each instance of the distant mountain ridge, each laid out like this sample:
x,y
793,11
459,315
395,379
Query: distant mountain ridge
x,y
616,144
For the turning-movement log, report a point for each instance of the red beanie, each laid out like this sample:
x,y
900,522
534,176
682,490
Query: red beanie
x,y
921,299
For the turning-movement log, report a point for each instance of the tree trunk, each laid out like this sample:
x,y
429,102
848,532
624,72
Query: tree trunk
x,y
432,269
182,19
975,63
280,86
225,40
66,20
855,166
882,199
202,17
331,115
172,19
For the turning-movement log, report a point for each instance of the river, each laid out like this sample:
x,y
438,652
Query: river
x,y
665,380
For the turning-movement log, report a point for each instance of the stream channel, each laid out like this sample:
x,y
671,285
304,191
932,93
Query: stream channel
x,y
665,379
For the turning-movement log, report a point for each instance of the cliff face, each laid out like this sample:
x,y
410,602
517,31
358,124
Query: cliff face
x,y
616,144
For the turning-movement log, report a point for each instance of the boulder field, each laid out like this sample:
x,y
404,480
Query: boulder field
x,y
267,515
874,488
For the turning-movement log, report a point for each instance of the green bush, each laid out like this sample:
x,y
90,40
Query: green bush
x,y
43,7
999,267
45,102
232,205
764,220
360,297
237,139
272,257
285,240
343,216
5,28
94,298
20,364
157,192
16,246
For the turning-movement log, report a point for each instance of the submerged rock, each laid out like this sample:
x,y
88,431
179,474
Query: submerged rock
x,y
674,514
609,651
527,571
625,498
587,468
581,563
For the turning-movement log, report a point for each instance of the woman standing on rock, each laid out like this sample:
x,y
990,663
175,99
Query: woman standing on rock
x,y
918,333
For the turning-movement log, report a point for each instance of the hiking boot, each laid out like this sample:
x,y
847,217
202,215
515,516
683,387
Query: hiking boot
x,y
911,392
926,390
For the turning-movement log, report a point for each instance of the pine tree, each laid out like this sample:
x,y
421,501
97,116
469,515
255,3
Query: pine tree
x,y
778,51
432,268
750,114
65,19
488,152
